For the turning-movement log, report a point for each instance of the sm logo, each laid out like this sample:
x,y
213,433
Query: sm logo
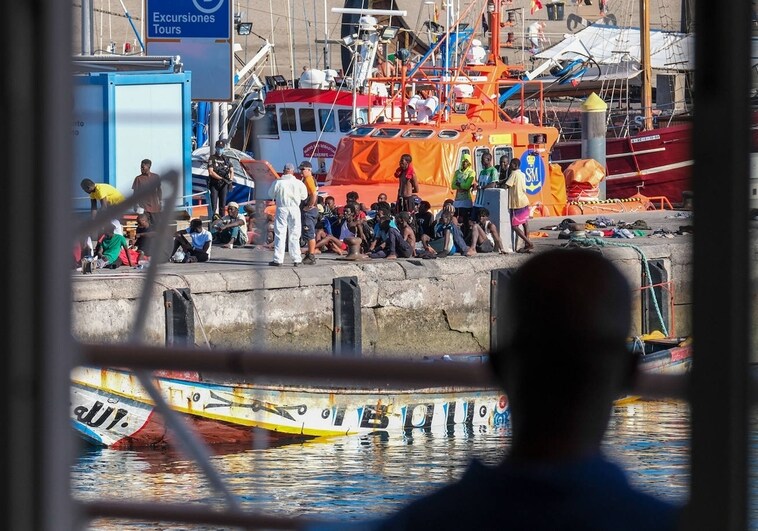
x,y
534,168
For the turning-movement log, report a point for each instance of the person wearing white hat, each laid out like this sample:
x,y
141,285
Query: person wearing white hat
x,y
231,229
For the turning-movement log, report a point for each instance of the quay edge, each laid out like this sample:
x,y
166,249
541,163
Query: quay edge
x,y
409,308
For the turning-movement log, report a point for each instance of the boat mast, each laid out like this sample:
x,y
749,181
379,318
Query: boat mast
x,y
326,39
493,8
87,33
647,73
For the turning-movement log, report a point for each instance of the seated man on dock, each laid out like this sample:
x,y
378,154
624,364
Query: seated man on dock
x,y
197,248
484,236
561,380
448,238
231,229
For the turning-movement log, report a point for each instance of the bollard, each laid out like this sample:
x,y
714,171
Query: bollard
x,y
496,201
499,282
594,133
347,332
180,317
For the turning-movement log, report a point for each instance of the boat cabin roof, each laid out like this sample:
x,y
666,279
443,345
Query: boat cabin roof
x,y
316,96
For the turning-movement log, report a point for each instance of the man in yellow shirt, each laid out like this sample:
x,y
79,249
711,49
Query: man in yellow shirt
x,y
107,195
518,203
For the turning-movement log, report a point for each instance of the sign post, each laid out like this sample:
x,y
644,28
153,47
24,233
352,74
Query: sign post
x,y
200,33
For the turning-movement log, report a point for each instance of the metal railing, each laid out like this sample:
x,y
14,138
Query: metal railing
x,y
38,445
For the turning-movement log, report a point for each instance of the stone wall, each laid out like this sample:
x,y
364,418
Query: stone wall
x,y
409,307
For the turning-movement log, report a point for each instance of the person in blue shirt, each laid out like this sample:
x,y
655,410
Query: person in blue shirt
x,y
561,379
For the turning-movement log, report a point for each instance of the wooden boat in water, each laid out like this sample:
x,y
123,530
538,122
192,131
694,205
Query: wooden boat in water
x,y
110,408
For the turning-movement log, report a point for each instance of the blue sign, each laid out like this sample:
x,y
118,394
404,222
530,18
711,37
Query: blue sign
x,y
534,168
181,19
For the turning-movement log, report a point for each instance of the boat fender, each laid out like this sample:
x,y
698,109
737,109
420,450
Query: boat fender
x,y
571,76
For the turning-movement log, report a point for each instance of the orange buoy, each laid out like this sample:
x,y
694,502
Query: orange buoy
x,y
572,210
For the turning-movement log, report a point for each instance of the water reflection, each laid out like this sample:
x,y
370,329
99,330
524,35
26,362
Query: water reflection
x,y
364,477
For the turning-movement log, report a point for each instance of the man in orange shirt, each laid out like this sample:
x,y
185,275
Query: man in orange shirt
x,y
310,211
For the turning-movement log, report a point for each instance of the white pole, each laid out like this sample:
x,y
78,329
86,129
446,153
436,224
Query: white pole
x,y
523,40
223,125
213,126
379,12
87,36
292,48
272,63
326,39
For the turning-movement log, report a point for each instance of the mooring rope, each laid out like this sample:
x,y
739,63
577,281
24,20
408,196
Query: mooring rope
x,y
600,242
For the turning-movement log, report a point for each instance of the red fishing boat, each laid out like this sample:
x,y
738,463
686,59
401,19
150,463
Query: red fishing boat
x,y
648,150
657,162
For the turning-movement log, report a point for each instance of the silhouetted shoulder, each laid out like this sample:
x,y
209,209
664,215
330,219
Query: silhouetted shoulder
x,y
593,494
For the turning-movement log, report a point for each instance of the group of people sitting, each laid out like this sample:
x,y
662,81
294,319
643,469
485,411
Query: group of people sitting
x,y
378,231
384,231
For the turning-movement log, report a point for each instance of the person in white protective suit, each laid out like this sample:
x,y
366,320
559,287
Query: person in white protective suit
x,y
288,192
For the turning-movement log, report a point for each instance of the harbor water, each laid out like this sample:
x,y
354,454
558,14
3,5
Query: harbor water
x,y
354,478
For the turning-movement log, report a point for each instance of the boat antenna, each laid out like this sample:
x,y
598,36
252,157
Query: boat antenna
x,y
647,74
134,28
326,39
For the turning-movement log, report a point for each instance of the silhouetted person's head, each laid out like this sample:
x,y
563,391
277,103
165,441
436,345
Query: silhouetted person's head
x,y
565,360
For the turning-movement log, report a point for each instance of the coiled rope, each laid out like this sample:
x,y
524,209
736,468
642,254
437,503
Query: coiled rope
x,y
587,241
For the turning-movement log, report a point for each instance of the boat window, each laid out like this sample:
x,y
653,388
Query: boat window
x,y
362,117
287,119
538,138
502,151
386,132
448,133
362,131
418,133
346,120
307,120
327,120
269,124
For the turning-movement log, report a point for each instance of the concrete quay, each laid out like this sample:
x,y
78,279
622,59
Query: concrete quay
x,y
410,307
